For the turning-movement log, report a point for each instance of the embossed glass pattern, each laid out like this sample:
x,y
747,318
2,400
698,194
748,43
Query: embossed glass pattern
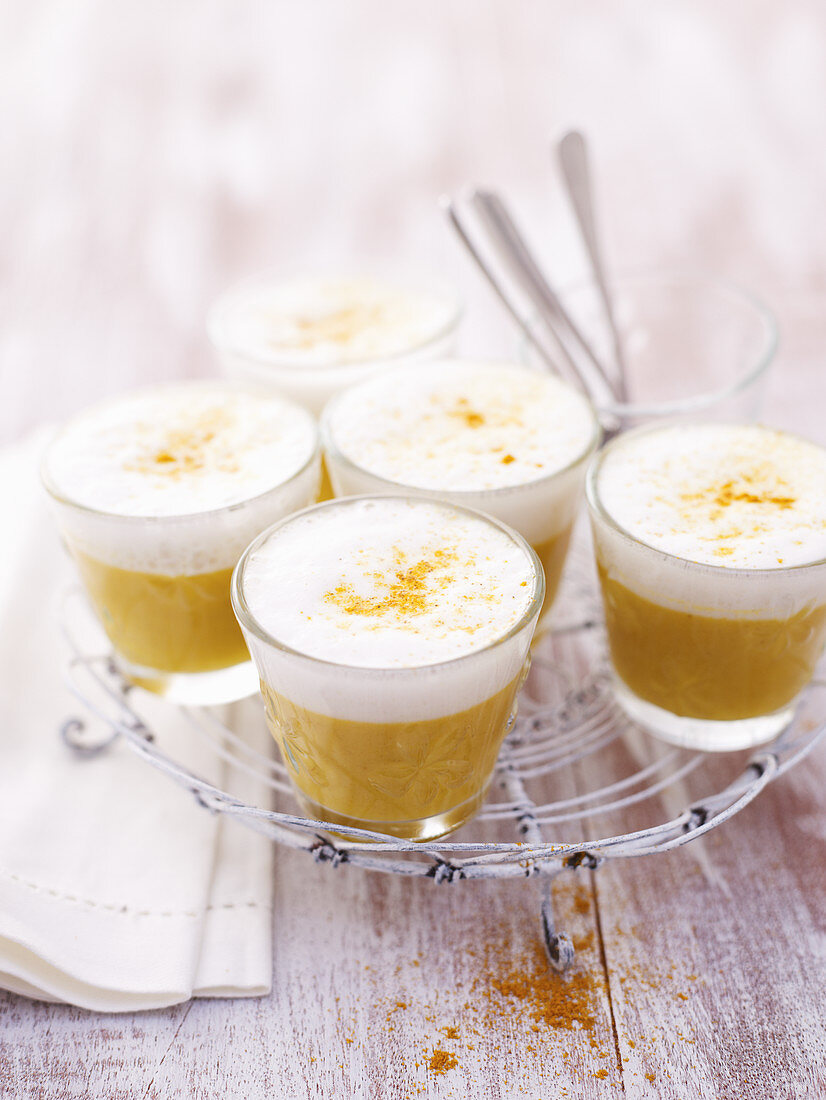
x,y
407,751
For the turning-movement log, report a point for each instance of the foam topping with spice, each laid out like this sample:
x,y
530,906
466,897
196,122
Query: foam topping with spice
x,y
180,449
388,583
739,496
322,321
462,426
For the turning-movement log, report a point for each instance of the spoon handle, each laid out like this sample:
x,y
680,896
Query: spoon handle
x,y
454,215
514,251
572,152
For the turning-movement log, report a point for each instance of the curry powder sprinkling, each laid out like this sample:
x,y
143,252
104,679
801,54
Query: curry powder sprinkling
x,y
338,326
470,417
189,449
406,591
760,487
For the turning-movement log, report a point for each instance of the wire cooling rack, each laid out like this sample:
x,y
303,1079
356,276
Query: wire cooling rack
x,y
549,809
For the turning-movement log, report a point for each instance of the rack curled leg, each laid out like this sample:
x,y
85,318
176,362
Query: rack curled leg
x,y
558,945
75,736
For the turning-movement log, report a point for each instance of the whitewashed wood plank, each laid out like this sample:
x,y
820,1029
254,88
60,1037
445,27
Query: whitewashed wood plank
x,y
716,953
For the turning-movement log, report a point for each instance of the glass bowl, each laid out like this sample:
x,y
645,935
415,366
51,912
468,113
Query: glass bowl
x,y
693,344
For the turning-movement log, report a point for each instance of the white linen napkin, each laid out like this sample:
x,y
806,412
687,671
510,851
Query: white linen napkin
x,y
117,891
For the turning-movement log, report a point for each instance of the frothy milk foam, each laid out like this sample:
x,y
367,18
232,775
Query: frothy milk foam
x,y
174,453
383,585
455,427
740,497
320,322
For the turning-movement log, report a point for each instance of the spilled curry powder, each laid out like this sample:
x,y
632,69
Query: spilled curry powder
x,y
533,990
560,1002
509,1002
442,1060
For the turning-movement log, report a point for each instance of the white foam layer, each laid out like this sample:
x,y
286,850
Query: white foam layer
x,y
740,496
320,321
177,450
463,426
491,435
178,479
385,583
386,589
745,499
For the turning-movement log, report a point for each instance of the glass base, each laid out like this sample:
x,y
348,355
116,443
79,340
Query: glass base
x,y
222,685
701,733
425,828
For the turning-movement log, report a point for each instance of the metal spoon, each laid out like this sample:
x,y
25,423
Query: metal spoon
x,y
459,223
513,249
572,152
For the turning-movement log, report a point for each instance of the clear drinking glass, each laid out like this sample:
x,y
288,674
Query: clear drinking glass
x,y
693,345
160,584
407,751
705,656
542,510
337,330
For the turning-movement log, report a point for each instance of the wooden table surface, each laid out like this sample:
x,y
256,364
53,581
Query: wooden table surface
x,y
152,153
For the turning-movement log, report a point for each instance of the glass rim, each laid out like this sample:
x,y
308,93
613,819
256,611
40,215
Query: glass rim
x,y
599,510
698,402
249,622
497,493
48,483
216,324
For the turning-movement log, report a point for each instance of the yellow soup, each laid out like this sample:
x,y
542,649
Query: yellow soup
x,y
700,666
393,777
552,554
171,624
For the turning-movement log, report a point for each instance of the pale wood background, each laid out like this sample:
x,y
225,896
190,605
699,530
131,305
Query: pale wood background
x,y
152,152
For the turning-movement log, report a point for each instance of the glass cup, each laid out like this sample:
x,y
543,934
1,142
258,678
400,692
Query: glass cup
x,y
310,338
693,345
408,751
542,510
705,656
160,584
